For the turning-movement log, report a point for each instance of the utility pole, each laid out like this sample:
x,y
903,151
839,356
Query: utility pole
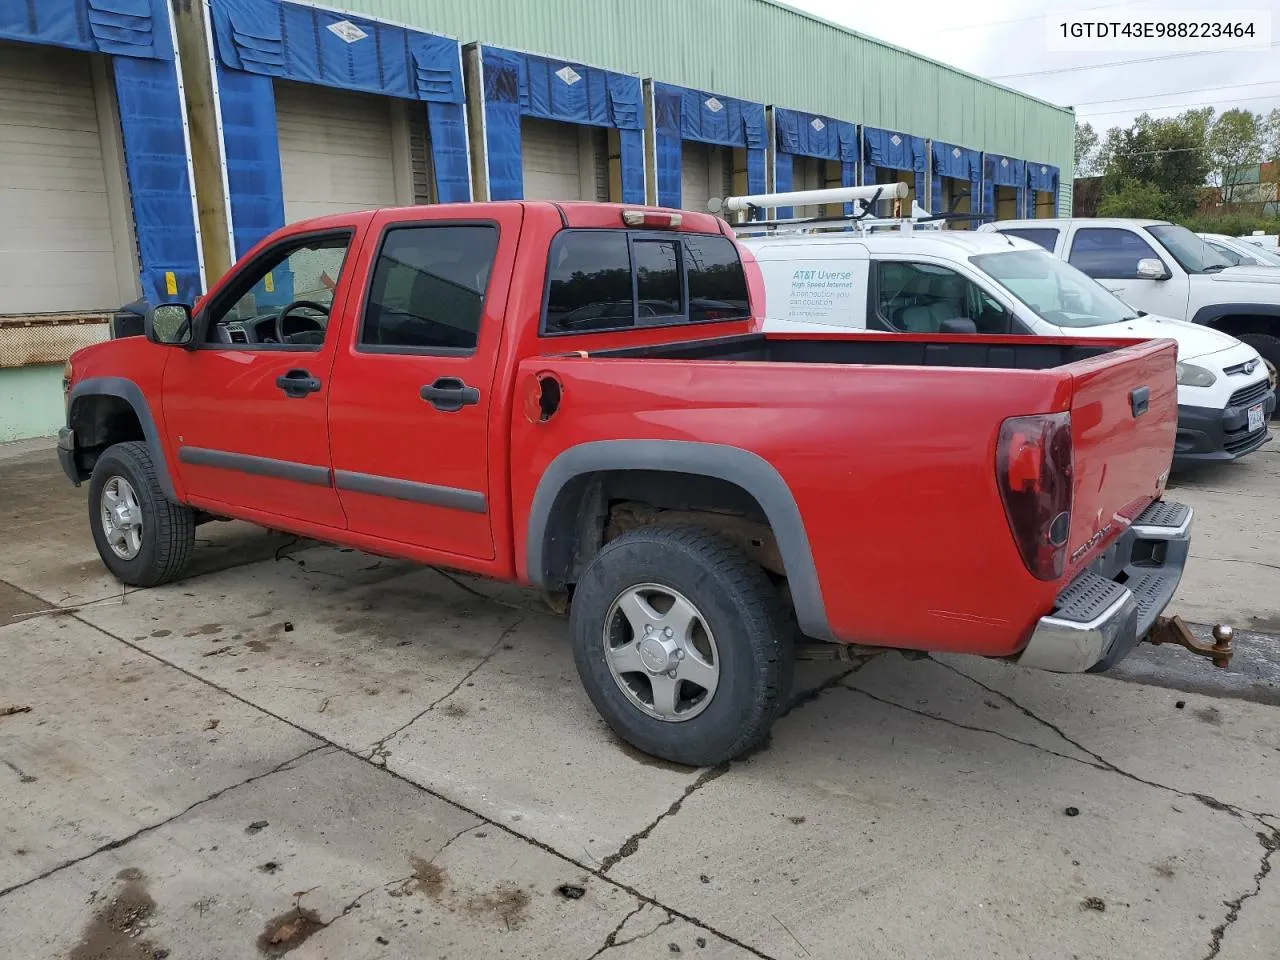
x,y
196,61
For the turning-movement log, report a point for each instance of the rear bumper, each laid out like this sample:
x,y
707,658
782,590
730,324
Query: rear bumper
x,y
1105,611
1209,435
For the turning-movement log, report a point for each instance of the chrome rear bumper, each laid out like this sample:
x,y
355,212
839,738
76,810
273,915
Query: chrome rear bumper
x,y
1105,611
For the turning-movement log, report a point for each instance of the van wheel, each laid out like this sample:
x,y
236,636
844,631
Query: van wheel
x,y
144,538
681,643
1268,348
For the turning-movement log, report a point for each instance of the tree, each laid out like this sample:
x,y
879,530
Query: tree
x,y
1086,150
1168,153
1269,135
1134,198
1235,146
1270,142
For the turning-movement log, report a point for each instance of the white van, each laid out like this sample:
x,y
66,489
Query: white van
x,y
940,281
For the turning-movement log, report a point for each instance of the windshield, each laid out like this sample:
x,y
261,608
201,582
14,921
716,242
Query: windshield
x,y
1192,253
1268,257
1055,290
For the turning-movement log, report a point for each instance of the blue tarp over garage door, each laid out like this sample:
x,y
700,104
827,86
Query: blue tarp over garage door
x,y
524,85
257,40
136,34
799,134
893,151
1000,171
955,163
1042,178
682,114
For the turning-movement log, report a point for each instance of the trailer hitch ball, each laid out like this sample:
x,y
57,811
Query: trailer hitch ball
x,y
1173,630
1223,634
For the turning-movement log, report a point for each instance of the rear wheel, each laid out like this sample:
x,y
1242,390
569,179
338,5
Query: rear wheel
x,y
681,644
1268,348
143,538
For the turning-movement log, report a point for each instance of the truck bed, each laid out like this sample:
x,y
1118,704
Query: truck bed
x,y
888,445
1010,353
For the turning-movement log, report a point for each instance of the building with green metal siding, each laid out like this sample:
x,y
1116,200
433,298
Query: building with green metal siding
x,y
295,111
812,65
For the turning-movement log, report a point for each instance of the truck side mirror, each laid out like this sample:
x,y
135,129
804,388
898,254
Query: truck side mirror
x,y
1149,268
169,324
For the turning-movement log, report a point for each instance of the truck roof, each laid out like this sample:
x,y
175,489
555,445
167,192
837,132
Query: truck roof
x,y
572,213
948,244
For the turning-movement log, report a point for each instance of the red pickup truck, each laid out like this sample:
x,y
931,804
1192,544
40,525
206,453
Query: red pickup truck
x,y
577,397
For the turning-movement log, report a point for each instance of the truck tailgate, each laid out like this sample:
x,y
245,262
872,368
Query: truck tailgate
x,y
1124,411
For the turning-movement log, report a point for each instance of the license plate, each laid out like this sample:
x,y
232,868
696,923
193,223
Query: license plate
x,y
1256,422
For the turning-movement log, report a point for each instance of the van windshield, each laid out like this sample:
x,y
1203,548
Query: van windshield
x,y
1056,291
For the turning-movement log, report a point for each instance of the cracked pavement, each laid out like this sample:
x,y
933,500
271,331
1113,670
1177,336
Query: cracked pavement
x,y
407,757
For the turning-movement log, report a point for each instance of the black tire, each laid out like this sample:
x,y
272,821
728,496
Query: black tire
x,y
1269,348
168,528
737,603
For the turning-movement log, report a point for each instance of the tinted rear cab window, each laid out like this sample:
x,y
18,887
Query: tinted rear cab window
x,y
615,279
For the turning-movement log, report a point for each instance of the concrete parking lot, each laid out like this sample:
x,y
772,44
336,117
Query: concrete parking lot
x,y
312,751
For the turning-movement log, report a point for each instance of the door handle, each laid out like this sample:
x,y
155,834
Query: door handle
x,y
298,383
449,394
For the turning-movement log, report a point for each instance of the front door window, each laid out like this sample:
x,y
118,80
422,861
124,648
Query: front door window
x,y
283,298
922,297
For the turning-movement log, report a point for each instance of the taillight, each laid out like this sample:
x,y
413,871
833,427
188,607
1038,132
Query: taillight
x,y
652,219
1034,473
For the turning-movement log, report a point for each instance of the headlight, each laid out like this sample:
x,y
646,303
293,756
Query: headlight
x,y
1189,375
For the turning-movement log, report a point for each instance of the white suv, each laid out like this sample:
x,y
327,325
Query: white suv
x,y
949,281
1167,270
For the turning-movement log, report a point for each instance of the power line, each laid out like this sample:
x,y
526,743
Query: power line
x,y
1158,153
1178,93
1176,106
1125,63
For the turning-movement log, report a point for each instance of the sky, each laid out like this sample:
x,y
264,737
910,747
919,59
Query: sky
x,y
1005,41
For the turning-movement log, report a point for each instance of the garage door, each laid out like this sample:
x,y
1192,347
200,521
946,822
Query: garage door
x,y
552,164
807,174
695,175
59,251
336,152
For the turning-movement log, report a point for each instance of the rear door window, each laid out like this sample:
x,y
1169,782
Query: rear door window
x,y
1109,253
427,292
1041,236
615,279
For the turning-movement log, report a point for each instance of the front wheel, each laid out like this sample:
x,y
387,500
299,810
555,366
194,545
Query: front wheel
x,y
1268,348
681,644
143,538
